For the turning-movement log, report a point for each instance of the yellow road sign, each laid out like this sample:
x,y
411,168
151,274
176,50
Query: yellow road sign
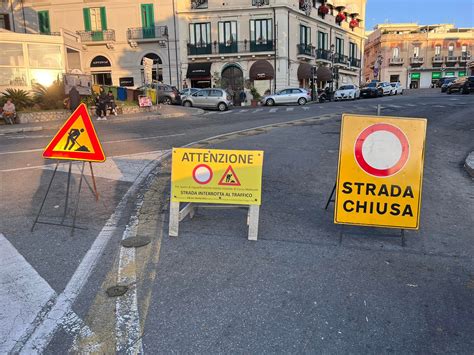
x,y
217,176
380,172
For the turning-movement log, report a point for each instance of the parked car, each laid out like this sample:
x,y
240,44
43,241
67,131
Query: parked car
x,y
347,92
209,98
186,92
371,90
447,83
386,88
287,96
166,94
463,85
442,80
397,88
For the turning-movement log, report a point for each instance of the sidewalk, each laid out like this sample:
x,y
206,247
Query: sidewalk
x,y
164,112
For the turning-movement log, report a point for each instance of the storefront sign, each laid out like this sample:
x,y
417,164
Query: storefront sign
x,y
380,171
415,76
449,73
100,61
436,75
217,176
128,81
461,74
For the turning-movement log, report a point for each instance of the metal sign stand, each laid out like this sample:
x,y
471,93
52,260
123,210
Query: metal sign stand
x,y
177,215
66,204
332,199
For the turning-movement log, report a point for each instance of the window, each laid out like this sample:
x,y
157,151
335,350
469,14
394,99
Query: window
x,y
353,50
261,31
322,40
227,32
46,56
463,48
451,50
394,78
396,52
43,21
12,54
102,78
95,19
416,52
339,45
200,34
5,21
148,19
305,35
215,93
260,2
438,50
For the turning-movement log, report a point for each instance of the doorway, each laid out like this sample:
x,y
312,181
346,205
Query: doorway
x,y
232,80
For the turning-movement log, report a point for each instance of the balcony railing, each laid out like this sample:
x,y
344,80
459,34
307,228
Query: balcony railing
x,y
464,57
396,61
323,54
230,47
451,58
199,4
145,33
97,36
354,62
416,60
341,58
305,49
437,59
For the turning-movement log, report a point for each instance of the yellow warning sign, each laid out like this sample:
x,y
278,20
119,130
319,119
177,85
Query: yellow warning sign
x,y
380,171
76,140
217,176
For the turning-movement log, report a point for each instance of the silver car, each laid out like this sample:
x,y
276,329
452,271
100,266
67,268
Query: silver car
x,y
287,96
186,92
209,98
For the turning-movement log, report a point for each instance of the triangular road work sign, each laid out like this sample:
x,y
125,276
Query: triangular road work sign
x,y
229,178
76,140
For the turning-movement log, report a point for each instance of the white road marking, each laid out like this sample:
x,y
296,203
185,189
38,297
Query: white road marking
x,y
306,108
242,111
104,142
395,106
440,106
273,110
57,314
257,110
225,112
24,295
289,109
411,105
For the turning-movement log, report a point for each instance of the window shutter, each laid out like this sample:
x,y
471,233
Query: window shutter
x,y
43,19
87,19
103,18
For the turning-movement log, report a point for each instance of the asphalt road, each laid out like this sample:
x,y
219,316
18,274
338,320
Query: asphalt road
x,y
296,290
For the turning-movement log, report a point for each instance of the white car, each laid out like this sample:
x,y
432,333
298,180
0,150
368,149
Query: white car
x,y
396,89
386,88
347,92
287,96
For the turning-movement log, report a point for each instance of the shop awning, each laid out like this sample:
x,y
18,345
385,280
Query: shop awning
x,y
199,71
261,70
304,71
323,74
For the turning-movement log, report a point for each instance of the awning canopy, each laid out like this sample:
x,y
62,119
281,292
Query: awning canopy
x,y
261,70
304,71
199,71
323,74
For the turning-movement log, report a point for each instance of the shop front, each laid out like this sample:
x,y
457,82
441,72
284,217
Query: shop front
x,y
199,74
101,70
415,80
261,75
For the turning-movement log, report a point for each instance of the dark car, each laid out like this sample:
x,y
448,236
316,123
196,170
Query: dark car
x,y
371,90
446,84
443,80
464,85
166,94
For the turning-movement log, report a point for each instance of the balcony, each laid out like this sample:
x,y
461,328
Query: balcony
x,y
341,59
235,47
416,60
464,58
396,61
147,34
306,50
451,59
323,54
354,62
97,36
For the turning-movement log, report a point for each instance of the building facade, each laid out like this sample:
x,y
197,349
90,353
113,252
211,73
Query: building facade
x,y
115,35
417,56
270,44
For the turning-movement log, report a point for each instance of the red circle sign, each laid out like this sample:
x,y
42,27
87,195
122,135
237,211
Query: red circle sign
x,y
202,174
382,150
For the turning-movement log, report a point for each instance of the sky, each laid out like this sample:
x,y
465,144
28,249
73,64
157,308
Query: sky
x,y
424,12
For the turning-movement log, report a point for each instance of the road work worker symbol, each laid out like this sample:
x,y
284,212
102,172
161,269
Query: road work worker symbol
x,y
76,140
216,176
380,171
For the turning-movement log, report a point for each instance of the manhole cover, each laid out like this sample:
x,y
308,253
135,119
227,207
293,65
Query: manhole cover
x,y
135,242
116,291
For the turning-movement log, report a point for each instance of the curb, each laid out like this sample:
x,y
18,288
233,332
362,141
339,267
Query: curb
x,y
20,130
469,164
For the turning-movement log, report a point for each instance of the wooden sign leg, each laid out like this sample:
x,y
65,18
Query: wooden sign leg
x,y
253,217
174,219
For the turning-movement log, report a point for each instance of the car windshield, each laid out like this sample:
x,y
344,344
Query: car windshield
x,y
346,87
394,84
372,85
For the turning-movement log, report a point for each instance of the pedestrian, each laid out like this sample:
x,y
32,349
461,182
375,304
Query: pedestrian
x,y
74,99
111,103
101,105
243,98
9,112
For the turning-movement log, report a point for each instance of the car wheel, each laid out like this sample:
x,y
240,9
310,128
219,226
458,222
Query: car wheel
x,y
222,106
464,91
301,101
270,102
187,104
322,99
166,100
448,92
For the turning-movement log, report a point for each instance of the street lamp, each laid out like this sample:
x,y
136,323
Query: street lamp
x,y
332,55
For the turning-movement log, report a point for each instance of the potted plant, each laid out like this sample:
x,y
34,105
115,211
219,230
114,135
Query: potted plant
x,y
255,97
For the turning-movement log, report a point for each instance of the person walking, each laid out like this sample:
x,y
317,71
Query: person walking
x,y
74,99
